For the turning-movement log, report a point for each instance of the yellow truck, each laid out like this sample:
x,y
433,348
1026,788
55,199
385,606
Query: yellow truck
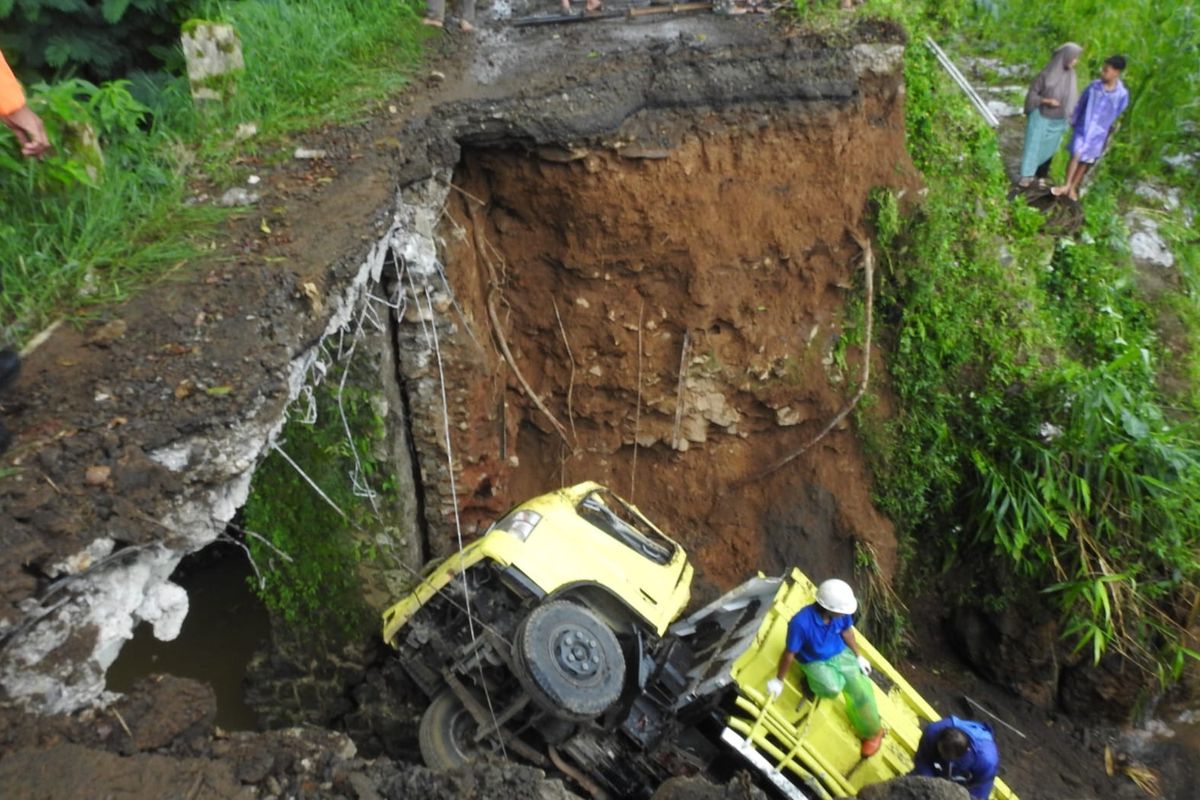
x,y
558,638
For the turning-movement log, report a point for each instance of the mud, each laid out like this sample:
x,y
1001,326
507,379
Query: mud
x,y
159,741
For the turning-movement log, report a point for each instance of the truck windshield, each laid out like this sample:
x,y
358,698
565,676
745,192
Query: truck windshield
x,y
621,521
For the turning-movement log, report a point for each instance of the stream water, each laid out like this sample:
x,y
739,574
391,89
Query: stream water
x,y
224,625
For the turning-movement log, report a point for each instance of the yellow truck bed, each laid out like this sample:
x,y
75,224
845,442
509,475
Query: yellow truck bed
x,y
814,743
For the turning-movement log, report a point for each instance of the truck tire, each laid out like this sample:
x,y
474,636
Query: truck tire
x,y
568,661
446,735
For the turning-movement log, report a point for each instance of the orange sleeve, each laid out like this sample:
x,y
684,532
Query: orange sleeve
x,y
11,96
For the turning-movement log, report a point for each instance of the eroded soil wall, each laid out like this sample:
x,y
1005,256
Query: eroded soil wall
x,y
699,179
732,254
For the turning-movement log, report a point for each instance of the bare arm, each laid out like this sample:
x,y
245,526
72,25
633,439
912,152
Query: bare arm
x,y
851,641
785,662
25,125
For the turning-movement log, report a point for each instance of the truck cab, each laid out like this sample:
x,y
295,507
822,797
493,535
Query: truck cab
x,y
526,633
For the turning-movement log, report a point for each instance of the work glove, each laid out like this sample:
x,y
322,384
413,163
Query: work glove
x,y
774,688
864,665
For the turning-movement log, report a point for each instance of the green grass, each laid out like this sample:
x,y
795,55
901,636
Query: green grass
x,y
318,60
67,245
994,330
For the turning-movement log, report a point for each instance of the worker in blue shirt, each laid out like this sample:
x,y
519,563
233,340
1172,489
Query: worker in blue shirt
x,y
821,638
959,750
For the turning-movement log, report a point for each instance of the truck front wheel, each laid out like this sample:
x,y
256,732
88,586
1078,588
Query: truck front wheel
x,y
569,661
447,733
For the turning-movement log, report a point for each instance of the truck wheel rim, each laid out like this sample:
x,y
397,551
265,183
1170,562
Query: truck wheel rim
x,y
577,652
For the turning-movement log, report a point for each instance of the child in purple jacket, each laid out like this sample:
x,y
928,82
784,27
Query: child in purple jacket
x,y
1098,108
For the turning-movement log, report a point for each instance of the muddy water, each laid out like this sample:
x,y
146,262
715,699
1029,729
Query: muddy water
x,y
224,625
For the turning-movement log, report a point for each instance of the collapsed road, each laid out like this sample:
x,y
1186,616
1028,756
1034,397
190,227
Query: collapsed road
x,y
618,252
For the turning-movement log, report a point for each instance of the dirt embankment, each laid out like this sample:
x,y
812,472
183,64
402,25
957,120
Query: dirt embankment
x,y
680,312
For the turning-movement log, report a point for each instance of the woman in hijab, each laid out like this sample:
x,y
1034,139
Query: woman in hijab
x,y
1049,104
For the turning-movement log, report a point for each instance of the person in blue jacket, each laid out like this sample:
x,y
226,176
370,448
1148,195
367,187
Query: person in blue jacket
x,y
959,750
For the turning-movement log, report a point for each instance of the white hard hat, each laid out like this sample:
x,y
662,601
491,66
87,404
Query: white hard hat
x,y
836,595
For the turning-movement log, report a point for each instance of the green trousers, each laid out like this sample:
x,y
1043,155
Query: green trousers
x,y
841,675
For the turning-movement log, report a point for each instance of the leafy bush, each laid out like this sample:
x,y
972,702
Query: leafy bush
x,y
81,119
94,40
68,241
93,218
1104,501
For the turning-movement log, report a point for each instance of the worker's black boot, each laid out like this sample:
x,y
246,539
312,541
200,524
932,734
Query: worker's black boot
x,y
10,365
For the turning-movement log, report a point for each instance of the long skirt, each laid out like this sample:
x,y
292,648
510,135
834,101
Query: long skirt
x,y
841,675
1041,141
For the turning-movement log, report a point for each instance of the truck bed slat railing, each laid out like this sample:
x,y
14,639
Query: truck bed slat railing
x,y
813,761
754,754
808,718
807,758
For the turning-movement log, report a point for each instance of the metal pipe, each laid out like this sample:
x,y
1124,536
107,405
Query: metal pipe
x,y
962,82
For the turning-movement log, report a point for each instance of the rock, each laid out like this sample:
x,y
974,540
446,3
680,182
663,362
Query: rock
x,y
108,333
1181,161
96,475
697,788
1145,242
238,196
1014,647
787,416
1003,109
1167,198
162,709
213,54
914,787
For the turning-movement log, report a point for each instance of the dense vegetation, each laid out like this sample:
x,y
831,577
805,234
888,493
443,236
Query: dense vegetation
x,y
89,225
308,553
1032,421
99,41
